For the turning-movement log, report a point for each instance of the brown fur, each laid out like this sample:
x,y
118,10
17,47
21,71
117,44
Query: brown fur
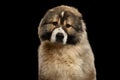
x,y
66,62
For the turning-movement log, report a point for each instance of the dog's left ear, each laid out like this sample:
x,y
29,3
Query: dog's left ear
x,y
83,25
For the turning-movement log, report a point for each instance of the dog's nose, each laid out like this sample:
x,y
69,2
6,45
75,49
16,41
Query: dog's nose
x,y
59,36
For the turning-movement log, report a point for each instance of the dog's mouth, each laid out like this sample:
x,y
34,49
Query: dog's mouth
x,y
59,35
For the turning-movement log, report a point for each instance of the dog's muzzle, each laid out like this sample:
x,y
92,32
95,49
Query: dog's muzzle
x,y
59,35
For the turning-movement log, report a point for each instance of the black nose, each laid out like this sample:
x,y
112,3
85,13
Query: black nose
x,y
59,36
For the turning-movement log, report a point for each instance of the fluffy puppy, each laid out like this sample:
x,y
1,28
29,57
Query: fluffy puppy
x,y
65,52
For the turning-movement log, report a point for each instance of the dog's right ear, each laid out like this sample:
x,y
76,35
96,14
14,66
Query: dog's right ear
x,y
40,24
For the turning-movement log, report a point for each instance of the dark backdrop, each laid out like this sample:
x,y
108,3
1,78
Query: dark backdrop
x,y
21,39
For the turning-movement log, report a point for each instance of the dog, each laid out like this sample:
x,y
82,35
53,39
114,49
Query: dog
x,y
65,52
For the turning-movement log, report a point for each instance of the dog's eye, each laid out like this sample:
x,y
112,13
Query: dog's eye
x,y
68,25
54,23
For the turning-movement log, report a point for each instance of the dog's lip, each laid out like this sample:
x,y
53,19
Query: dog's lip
x,y
59,40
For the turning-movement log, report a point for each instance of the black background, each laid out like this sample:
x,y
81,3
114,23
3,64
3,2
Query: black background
x,y
21,38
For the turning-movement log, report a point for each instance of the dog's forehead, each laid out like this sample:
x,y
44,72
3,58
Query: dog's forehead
x,y
59,12
62,9
62,13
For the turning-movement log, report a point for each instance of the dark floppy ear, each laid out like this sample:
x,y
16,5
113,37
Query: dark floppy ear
x,y
82,22
83,25
40,24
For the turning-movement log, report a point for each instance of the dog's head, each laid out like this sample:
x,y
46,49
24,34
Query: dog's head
x,y
63,24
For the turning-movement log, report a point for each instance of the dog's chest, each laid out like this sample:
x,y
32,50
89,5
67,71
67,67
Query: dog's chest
x,y
61,65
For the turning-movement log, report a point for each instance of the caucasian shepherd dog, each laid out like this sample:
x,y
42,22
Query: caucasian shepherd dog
x,y
65,52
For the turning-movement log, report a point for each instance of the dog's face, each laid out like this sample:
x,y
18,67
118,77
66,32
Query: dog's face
x,y
62,24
